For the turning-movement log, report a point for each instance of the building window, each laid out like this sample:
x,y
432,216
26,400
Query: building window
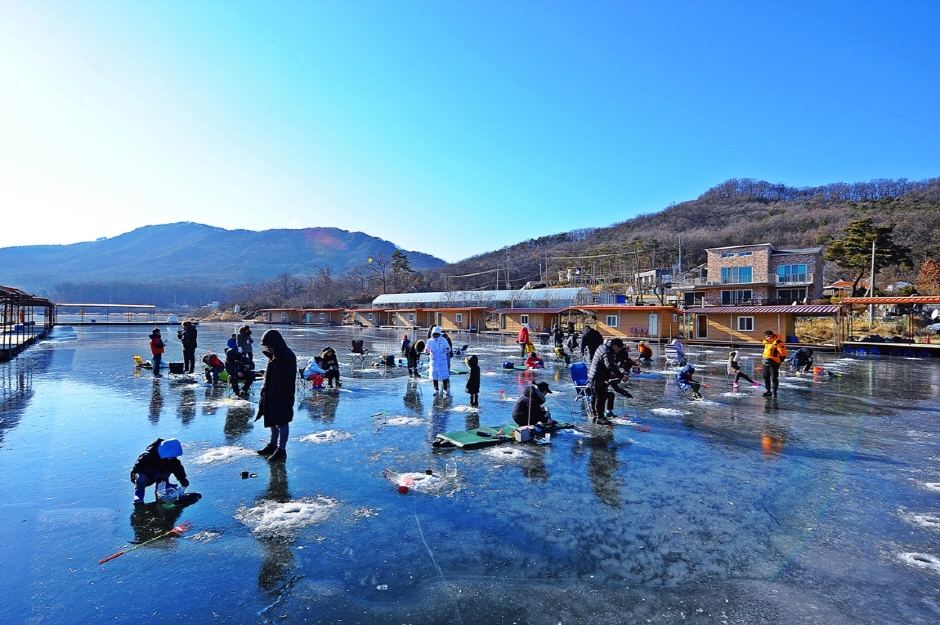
x,y
791,295
735,275
744,253
283,316
730,298
411,316
727,254
370,316
524,319
322,316
745,324
787,274
459,317
612,321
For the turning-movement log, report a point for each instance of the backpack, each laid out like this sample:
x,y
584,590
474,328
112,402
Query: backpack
x,y
780,350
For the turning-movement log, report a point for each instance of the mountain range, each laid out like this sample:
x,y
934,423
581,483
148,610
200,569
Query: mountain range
x,y
194,263
193,253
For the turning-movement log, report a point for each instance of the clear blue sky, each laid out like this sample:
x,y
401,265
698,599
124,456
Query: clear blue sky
x,y
452,128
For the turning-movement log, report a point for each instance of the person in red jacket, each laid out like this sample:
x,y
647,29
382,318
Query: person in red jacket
x,y
156,350
523,338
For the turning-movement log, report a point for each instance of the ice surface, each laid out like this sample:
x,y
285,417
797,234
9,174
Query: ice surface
x,y
819,506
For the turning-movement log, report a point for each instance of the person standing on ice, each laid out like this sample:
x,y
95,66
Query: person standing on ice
x,y
523,338
591,339
187,336
155,466
774,352
439,350
157,347
605,368
276,404
473,380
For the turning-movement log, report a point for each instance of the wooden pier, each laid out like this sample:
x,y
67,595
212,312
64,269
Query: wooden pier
x,y
24,319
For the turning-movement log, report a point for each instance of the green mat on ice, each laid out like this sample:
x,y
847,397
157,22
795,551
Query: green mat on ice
x,y
484,435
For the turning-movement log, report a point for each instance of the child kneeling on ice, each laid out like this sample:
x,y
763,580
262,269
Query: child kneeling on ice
x,y
156,465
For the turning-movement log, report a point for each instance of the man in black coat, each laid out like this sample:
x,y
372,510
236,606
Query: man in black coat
x,y
187,337
276,404
605,368
591,339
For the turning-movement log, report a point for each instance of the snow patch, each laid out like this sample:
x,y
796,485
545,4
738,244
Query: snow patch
x,y
505,454
272,518
669,412
326,436
922,560
224,454
928,521
404,421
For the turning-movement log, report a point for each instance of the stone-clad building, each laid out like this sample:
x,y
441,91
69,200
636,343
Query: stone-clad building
x,y
760,275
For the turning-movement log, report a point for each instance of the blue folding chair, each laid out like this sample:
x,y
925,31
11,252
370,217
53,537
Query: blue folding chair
x,y
579,375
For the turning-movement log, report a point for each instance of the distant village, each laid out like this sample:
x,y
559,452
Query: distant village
x,y
740,292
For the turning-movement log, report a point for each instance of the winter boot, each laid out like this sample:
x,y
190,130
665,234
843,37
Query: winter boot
x,y
278,456
269,449
138,496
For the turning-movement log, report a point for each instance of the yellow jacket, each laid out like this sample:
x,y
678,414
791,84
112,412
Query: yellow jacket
x,y
774,349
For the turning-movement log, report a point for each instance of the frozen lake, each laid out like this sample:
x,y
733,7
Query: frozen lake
x,y
820,507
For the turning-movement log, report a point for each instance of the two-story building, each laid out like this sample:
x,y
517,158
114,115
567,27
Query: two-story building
x,y
760,274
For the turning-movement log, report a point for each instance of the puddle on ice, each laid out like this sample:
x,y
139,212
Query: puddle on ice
x,y
272,518
922,560
223,454
326,436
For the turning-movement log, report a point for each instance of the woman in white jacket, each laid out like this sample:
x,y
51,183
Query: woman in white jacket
x,y
439,350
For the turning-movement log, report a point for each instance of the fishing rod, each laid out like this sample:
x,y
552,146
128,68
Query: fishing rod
x,y
176,531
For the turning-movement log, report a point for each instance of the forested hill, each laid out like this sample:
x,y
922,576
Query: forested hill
x,y
190,256
736,212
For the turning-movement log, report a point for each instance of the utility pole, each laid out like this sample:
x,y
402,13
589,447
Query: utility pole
x,y
871,289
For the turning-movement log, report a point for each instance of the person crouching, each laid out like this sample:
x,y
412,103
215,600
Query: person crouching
x,y
239,368
530,409
155,466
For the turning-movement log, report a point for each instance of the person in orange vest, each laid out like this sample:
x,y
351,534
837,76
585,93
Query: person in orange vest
x,y
156,350
774,352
